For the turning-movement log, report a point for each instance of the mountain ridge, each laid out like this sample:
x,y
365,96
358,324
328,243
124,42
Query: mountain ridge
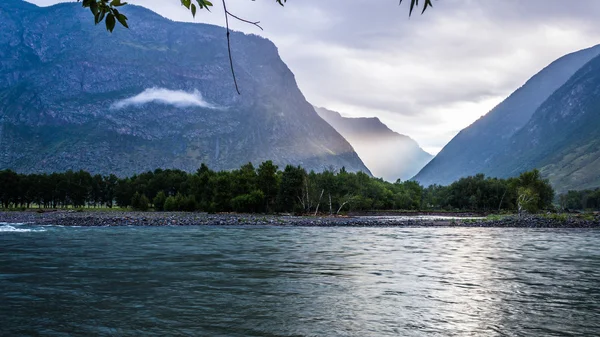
x,y
562,138
388,154
472,150
57,110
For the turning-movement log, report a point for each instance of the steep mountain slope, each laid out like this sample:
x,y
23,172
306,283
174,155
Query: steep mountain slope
x,y
386,153
562,137
160,94
473,149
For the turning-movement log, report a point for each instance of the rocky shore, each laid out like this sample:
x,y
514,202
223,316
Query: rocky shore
x,y
112,218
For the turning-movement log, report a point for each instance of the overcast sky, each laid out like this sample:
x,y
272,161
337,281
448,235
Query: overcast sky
x,y
428,76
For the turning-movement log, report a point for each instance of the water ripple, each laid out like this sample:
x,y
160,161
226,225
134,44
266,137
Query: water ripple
x,y
269,281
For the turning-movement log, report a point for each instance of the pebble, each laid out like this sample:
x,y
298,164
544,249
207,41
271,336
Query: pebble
x,y
114,218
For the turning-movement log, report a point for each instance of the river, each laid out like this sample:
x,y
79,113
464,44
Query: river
x,y
296,281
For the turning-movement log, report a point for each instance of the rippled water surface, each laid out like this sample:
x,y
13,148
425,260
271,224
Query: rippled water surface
x,y
275,281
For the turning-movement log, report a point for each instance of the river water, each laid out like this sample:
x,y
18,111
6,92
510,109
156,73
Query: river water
x,y
276,281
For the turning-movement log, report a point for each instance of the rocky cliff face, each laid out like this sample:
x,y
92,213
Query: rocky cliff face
x,y
475,149
562,138
388,154
160,94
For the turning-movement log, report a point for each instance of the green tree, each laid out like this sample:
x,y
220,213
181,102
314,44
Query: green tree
x,y
268,182
159,201
139,202
201,187
250,203
171,204
110,186
243,180
541,187
188,204
97,190
222,194
79,185
593,200
124,192
574,200
580,200
144,203
527,200
291,188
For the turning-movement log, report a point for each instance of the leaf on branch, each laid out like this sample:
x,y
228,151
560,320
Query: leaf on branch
x,y
110,22
122,20
415,4
100,8
99,16
117,3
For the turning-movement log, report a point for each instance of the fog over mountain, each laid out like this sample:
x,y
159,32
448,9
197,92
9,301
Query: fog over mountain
x,y
388,154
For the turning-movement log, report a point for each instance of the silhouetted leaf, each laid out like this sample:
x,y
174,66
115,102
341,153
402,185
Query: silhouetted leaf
x,y
110,22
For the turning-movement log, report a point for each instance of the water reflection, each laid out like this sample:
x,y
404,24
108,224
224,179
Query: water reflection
x,y
274,281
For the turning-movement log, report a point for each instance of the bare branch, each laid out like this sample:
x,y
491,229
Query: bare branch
x,y
244,20
229,48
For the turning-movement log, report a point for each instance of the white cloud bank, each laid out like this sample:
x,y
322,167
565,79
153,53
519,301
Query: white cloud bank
x,y
177,98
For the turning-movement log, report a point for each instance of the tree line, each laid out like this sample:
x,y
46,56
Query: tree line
x,y
267,189
528,192
580,200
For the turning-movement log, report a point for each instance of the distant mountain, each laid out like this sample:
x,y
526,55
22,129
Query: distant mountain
x,y
387,154
562,138
476,148
160,94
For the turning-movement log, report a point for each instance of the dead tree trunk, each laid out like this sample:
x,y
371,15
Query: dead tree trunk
x,y
307,197
342,205
302,202
319,203
501,200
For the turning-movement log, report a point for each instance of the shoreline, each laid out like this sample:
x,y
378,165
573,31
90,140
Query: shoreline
x,y
132,218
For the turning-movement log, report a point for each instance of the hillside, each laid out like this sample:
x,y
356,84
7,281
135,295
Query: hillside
x,y
563,136
160,94
474,149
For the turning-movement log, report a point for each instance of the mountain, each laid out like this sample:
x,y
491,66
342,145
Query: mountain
x,y
475,148
386,153
160,94
562,138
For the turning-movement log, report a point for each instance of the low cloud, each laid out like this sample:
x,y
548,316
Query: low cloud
x,y
177,98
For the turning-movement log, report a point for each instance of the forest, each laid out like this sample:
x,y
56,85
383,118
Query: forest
x,y
580,200
267,189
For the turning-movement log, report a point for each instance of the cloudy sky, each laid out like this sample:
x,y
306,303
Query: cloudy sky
x,y
427,76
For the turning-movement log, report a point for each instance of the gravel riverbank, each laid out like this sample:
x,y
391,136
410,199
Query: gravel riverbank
x,y
112,218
